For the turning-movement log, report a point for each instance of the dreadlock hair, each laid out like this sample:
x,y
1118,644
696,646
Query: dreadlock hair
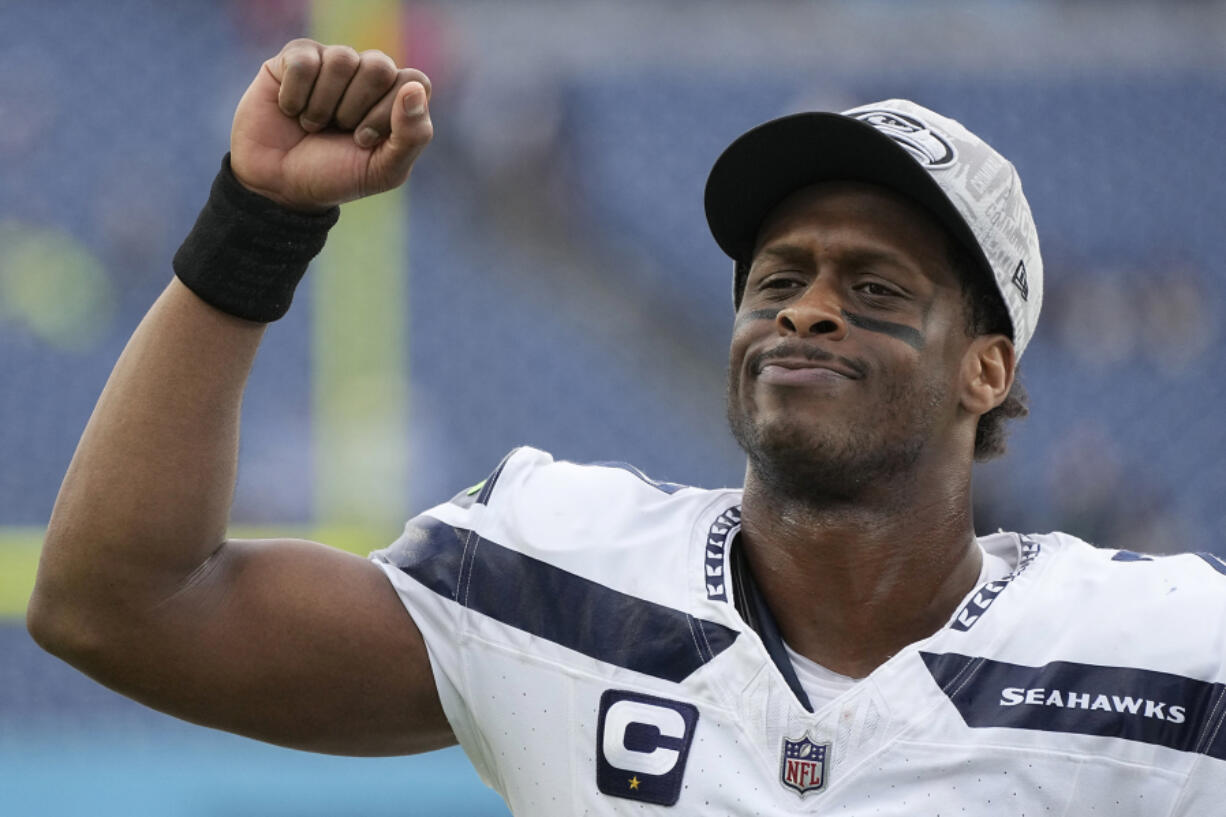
x,y
986,315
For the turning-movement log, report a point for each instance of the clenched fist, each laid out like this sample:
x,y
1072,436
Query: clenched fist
x,y
323,124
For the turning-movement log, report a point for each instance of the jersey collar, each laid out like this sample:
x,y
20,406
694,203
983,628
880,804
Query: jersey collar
x,y
756,613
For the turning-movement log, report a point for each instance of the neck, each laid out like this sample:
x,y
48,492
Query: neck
x,y
852,581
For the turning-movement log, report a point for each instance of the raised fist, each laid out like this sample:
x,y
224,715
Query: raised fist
x,y
323,124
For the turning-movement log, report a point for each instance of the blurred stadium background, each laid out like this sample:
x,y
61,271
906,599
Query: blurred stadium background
x,y
548,279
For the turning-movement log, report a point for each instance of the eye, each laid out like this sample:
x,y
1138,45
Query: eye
x,y
876,289
781,281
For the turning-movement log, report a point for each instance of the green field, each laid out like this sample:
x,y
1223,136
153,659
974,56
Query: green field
x,y
18,560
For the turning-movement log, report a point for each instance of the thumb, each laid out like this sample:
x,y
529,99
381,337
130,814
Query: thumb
x,y
411,126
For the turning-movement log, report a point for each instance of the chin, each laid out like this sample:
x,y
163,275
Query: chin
x,y
810,463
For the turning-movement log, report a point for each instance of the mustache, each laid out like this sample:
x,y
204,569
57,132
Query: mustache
x,y
805,351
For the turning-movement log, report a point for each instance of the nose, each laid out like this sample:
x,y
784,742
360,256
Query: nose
x,y
816,312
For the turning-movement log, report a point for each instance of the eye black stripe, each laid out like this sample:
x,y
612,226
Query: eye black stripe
x,y
907,334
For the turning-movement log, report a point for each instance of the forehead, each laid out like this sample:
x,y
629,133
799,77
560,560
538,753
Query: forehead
x,y
856,216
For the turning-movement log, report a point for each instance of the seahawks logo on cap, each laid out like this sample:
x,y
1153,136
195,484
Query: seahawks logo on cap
x,y
927,146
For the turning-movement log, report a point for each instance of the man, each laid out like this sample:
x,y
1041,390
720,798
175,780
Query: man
x,y
833,639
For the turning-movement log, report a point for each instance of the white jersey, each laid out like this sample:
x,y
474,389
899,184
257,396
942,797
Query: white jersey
x,y
584,633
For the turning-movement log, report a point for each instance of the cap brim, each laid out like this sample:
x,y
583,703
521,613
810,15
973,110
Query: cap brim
x,y
777,158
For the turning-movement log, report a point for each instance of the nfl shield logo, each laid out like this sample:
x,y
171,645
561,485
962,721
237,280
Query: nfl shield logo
x,y
802,767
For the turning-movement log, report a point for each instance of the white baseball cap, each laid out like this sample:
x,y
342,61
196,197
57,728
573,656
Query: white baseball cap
x,y
959,179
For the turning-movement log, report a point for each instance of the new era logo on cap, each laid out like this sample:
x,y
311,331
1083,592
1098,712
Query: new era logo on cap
x,y
1019,280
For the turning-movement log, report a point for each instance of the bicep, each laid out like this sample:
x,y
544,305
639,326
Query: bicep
x,y
293,643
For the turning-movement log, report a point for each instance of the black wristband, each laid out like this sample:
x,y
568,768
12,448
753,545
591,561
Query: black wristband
x,y
246,253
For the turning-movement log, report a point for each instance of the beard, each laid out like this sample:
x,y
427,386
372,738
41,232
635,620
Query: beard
x,y
802,459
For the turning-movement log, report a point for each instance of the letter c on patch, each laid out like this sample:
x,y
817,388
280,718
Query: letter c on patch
x,y
642,743
618,718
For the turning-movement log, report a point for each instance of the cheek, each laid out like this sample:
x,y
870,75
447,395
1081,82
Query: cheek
x,y
736,377
742,337
955,355
934,381
945,329
904,378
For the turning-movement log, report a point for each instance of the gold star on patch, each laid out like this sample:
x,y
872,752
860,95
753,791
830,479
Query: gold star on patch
x,y
634,782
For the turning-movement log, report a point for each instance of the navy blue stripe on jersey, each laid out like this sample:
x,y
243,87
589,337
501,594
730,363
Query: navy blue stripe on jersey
x,y
480,493
666,487
1131,556
1214,561
1148,706
554,604
483,497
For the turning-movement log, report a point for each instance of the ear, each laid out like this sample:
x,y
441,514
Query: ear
x,y
987,373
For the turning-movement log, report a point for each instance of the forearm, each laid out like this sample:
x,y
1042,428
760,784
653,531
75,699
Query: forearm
x,y
280,639
146,498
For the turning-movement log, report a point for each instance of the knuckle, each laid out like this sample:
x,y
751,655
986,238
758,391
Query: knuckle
x,y
375,55
413,75
341,56
300,43
301,59
379,65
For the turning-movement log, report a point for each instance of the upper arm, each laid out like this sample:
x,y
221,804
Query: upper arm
x,y
290,642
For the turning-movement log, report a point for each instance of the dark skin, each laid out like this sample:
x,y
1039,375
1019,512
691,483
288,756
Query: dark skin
x,y
855,390
295,643
283,640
